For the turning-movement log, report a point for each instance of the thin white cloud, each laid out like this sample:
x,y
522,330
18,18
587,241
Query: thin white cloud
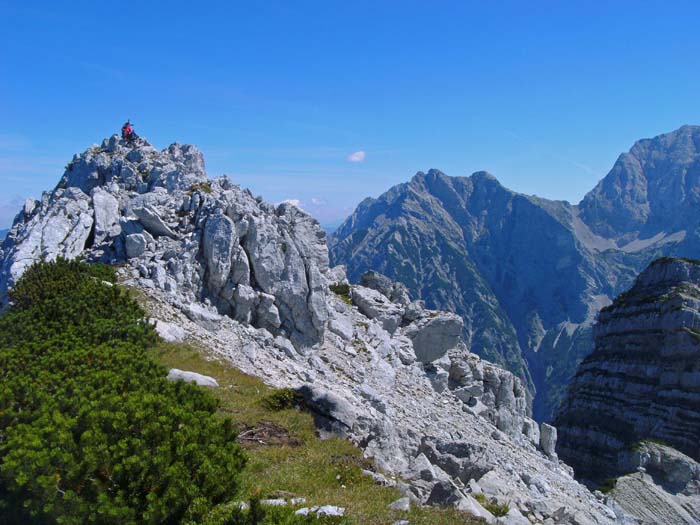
x,y
552,154
317,202
357,156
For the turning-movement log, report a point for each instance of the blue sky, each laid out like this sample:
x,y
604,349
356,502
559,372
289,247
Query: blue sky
x,y
279,95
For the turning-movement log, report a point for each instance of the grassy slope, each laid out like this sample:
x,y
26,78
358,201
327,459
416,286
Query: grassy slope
x,y
322,471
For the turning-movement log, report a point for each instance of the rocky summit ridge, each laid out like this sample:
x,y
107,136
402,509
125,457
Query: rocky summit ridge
x,y
529,275
251,282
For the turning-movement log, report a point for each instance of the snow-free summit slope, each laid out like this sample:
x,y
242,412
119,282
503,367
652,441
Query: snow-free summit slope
x,y
251,282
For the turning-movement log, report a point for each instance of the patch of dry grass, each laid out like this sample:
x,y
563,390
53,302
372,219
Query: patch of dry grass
x,y
296,461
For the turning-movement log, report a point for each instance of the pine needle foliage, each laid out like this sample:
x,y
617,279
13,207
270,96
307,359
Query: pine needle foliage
x,y
91,431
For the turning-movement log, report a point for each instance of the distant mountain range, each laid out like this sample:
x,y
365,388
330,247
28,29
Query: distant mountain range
x,y
527,274
3,234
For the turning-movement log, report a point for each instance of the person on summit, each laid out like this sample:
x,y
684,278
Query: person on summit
x,y
128,132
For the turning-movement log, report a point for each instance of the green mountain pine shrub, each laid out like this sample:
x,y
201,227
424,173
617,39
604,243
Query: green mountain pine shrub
x,y
90,429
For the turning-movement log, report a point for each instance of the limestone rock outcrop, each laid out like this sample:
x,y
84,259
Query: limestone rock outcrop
x,y
196,238
663,486
251,283
642,382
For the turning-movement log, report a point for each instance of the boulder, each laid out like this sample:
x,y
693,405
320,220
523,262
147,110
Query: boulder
x,y
268,316
402,504
136,245
531,431
513,517
445,494
433,336
438,373
240,267
548,439
342,327
202,316
191,377
218,243
396,292
371,395
414,311
324,510
106,209
244,298
170,332
669,467
331,412
458,458
375,305
29,206
473,507
292,276
336,275
152,221
274,502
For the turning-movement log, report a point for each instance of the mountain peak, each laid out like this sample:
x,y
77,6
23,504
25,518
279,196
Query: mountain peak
x,y
653,188
483,176
529,275
136,166
196,238
678,144
426,177
435,174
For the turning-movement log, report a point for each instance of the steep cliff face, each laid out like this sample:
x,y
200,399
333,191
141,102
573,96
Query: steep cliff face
x,y
642,382
251,283
653,189
529,275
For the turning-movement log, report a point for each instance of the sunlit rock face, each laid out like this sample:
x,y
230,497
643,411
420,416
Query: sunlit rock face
x,y
196,238
251,284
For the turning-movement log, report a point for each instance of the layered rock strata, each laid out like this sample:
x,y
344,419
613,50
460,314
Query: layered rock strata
x,y
663,486
642,382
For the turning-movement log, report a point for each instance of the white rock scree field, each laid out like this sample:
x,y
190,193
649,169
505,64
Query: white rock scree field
x,y
252,283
